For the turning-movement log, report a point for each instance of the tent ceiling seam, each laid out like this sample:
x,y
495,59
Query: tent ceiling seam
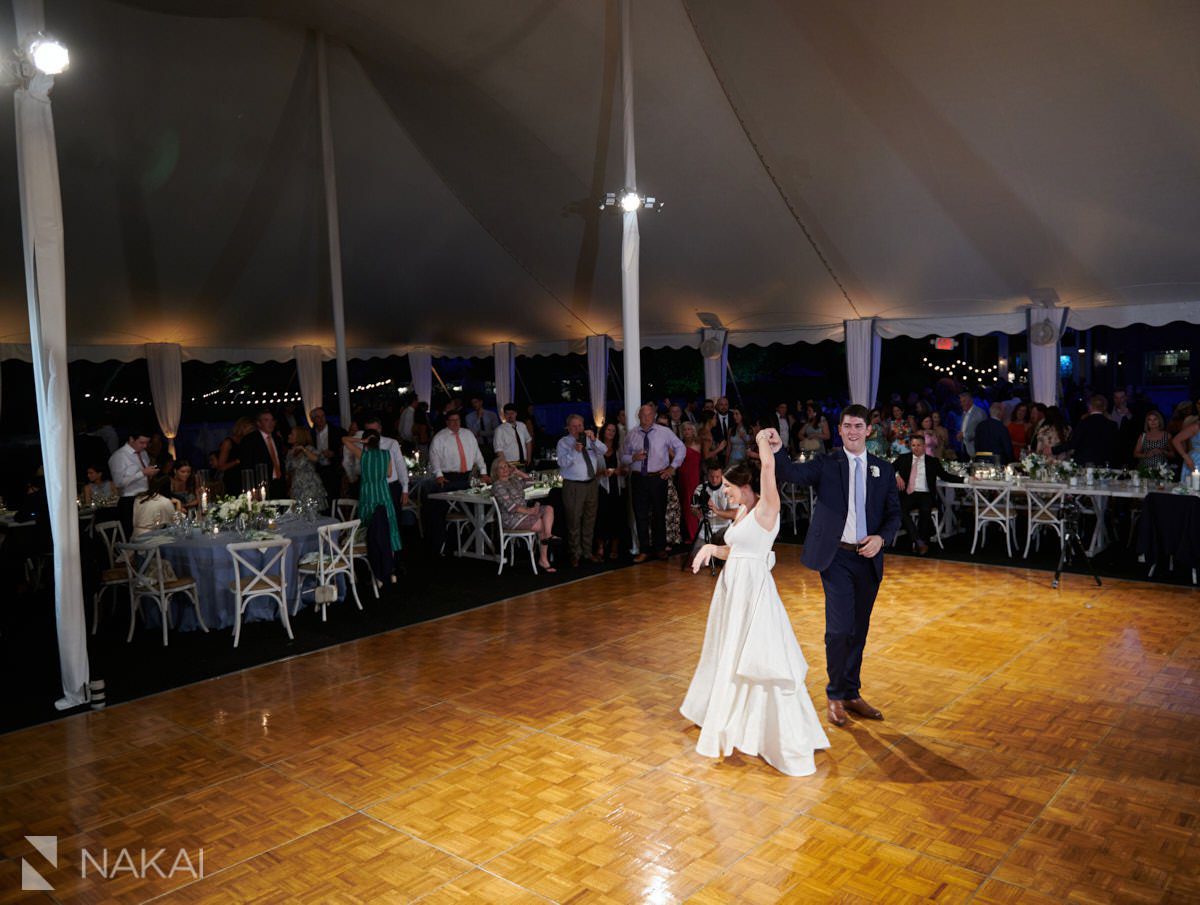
x,y
762,160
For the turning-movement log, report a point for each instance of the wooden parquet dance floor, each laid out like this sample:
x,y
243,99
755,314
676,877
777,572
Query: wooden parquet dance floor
x,y
1040,746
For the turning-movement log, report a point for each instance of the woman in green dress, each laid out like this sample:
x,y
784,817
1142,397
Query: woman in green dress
x,y
376,467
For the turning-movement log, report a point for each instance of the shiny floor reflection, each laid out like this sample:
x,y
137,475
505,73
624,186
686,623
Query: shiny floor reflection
x,y
1039,746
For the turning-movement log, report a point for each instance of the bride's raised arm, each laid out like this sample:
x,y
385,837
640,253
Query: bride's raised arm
x,y
768,499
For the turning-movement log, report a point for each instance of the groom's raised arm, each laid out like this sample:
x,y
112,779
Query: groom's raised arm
x,y
802,474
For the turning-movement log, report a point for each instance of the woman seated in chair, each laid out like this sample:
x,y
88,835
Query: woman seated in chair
x,y
154,508
99,489
508,488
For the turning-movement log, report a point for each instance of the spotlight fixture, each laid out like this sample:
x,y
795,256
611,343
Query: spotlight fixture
x,y
48,55
629,201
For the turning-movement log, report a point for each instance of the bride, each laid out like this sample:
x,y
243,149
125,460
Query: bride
x,y
748,691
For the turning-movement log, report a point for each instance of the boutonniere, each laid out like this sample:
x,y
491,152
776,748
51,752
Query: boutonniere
x,y
874,471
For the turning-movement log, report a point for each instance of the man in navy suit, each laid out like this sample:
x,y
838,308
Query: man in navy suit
x,y
857,512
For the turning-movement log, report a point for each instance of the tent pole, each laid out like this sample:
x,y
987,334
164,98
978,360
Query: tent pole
x,y
630,239
45,284
334,231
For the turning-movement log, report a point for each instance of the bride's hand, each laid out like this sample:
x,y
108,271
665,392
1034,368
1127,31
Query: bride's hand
x,y
703,558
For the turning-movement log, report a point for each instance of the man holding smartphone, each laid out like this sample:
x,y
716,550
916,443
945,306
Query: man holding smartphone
x,y
131,471
857,512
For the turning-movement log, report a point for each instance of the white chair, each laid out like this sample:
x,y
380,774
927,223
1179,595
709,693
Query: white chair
x,y
280,505
115,576
993,506
794,501
251,580
1045,512
936,515
147,577
509,540
335,556
344,508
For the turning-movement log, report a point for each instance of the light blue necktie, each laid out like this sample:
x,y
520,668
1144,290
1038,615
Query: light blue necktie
x,y
860,501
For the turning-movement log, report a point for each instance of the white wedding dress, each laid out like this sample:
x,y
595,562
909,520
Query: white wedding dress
x,y
748,691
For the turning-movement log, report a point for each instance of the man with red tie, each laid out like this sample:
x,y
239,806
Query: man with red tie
x,y
262,446
452,456
916,478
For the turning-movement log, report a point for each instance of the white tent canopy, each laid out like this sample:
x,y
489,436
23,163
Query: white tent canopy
x,y
933,165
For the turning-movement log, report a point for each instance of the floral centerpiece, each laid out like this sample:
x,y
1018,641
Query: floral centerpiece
x,y
226,510
1043,468
1162,472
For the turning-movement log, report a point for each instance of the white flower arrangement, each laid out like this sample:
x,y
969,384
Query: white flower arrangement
x,y
228,508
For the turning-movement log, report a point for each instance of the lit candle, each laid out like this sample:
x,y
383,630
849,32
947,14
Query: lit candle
x,y
1196,479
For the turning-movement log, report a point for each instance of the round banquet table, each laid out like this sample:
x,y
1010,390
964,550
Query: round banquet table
x,y
204,558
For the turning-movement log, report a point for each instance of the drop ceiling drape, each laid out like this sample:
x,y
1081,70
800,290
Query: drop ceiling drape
x,y
1043,352
863,349
308,370
597,365
420,362
716,368
505,357
164,362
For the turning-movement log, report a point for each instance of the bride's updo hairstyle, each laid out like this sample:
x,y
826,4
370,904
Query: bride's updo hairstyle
x,y
741,475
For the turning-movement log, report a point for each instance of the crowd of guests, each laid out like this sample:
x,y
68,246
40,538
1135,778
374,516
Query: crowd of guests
x,y
664,474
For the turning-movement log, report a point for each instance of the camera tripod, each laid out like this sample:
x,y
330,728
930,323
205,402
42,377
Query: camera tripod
x,y
1071,541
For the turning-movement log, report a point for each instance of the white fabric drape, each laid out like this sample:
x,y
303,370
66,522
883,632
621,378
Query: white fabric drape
x,y
716,368
505,357
631,243
597,365
308,369
863,351
420,362
333,230
45,283
1043,356
164,361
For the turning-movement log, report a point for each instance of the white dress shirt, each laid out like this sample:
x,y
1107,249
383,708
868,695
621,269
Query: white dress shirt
x,y
125,466
321,438
784,429
850,532
399,470
511,445
406,424
443,452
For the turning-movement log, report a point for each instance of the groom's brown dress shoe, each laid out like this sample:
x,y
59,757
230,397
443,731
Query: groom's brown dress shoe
x,y
862,708
837,713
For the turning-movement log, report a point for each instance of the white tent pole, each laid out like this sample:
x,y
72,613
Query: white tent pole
x,y
334,231
630,239
45,284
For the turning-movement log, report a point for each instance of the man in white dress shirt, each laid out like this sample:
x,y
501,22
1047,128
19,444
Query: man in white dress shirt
x,y
452,455
405,429
328,440
724,422
783,422
131,472
512,439
917,476
972,417
580,459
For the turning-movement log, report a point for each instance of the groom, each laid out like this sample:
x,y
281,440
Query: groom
x,y
857,511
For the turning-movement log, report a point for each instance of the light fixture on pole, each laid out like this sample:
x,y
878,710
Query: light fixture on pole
x,y
42,54
628,201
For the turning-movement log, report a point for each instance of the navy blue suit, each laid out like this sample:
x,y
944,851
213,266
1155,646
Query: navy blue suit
x,y
850,581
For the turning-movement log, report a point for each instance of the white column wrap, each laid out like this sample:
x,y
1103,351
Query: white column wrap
x,y
164,362
1043,356
863,351
597,365
334,230
715,369
308,370
45,283
505,357
420,362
